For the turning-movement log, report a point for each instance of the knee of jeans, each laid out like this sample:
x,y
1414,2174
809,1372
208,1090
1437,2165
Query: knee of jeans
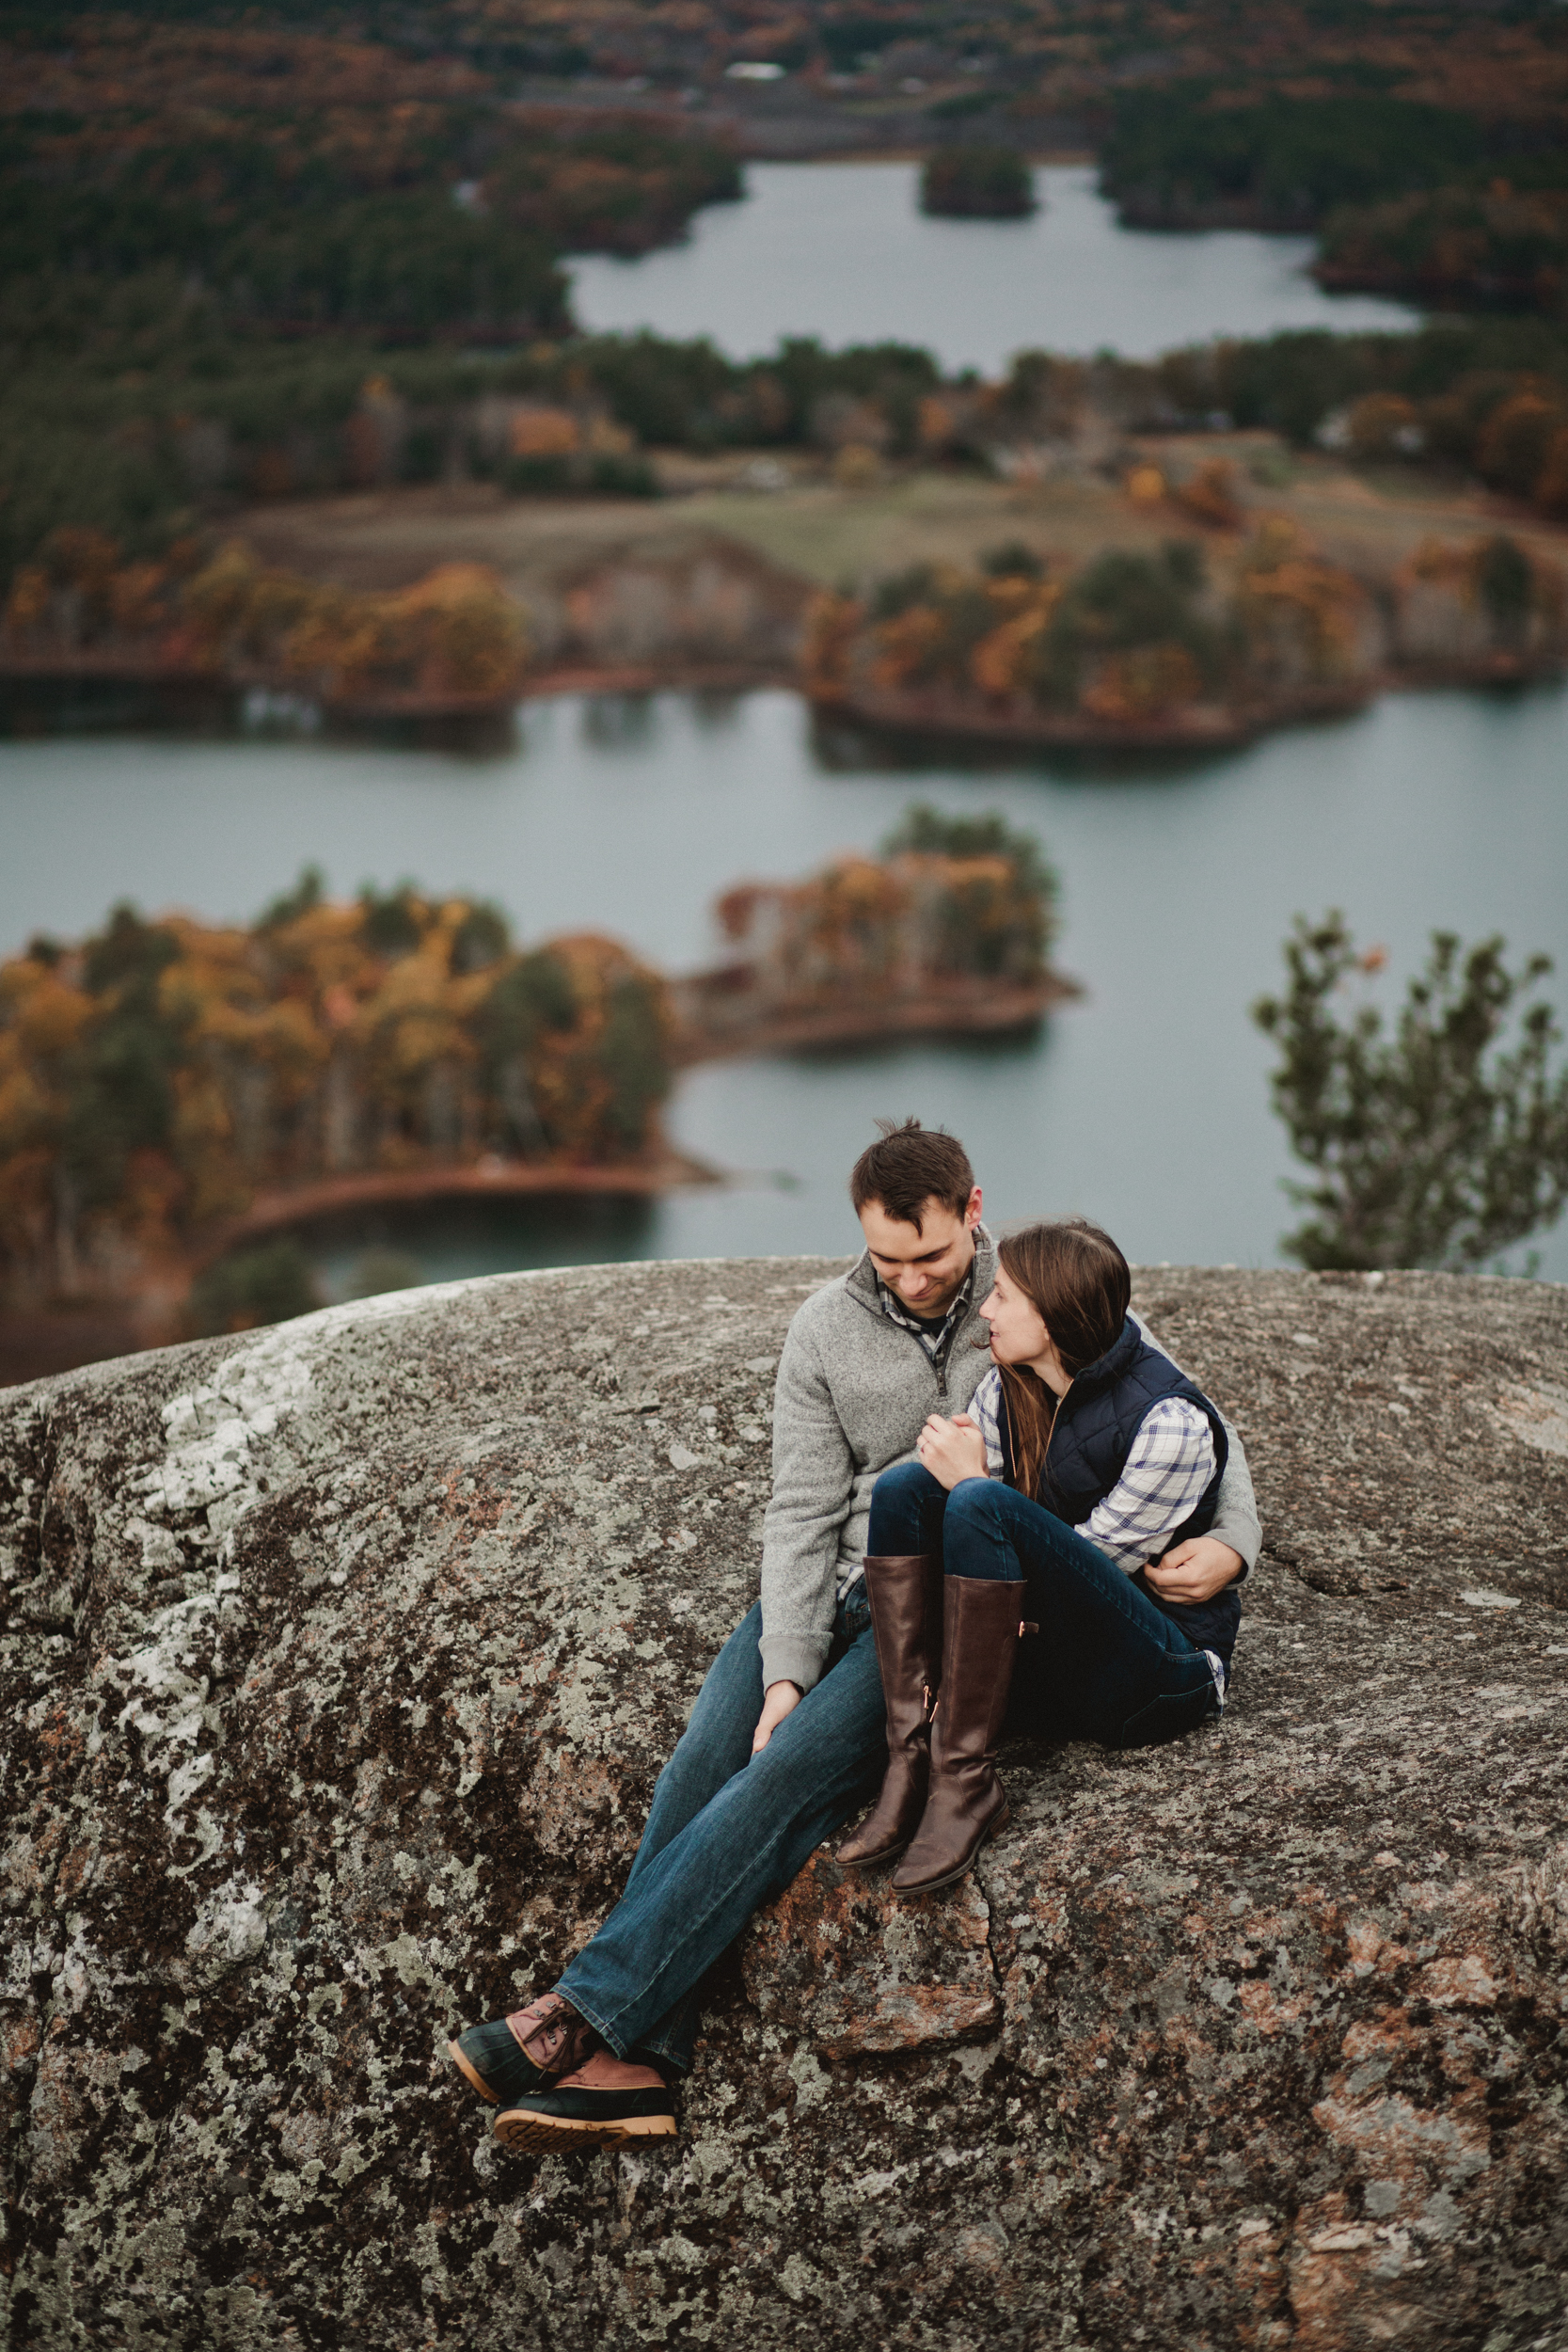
x,y
899,1494
972,1499
906,1482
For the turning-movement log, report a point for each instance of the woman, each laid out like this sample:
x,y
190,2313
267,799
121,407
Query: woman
x,y
1084,1456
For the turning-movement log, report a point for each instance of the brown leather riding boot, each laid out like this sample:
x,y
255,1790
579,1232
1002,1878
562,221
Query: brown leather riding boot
x,y
967,1801
905,1594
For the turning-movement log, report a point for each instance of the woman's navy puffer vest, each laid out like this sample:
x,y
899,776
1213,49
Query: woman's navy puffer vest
x,y
1096,1424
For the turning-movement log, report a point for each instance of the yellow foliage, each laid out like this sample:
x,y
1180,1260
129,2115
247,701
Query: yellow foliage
x,y
1144,683
831,624
455,634
999,663
906,644
1145,485
543,433
331,1038
1302,616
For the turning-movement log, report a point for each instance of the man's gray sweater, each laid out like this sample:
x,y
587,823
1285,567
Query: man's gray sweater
x,y
854,1391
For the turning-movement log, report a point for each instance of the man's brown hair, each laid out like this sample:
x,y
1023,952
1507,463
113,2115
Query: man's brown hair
x,y
909,1166
1080,1286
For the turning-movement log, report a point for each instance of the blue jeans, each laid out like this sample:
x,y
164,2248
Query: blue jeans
x,y
728,1830
1106,1664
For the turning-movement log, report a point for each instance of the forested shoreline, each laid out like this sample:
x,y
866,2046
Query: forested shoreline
x,y
255,255
170,1087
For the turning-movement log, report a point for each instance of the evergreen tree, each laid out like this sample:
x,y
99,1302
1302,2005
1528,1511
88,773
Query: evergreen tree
x,y
1437,1143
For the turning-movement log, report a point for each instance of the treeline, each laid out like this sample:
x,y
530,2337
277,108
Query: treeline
x,y
307,184
1490,397
454,234
144,416
1130,640
1195,153
1487,396
1432,203
453,642
1500,246
156,1076
170,418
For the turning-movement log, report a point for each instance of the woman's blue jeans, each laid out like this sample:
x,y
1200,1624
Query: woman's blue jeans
x,y
1106,1664
728,1830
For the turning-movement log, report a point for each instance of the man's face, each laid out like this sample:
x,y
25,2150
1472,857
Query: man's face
x,y
924,1269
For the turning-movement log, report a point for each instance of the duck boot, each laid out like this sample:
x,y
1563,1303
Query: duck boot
x,y
905,1594
967,1801
526,2052
601,2103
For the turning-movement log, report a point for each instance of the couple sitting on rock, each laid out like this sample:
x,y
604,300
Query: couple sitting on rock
x,y
1052,1545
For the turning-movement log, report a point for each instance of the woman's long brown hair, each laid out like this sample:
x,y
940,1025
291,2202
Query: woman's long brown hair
x,y
1078,1283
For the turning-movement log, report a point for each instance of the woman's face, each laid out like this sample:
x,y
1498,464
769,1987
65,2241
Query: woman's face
x,y
1017,1336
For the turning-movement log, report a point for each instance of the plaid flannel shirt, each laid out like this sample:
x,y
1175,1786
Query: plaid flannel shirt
x,y
933,1339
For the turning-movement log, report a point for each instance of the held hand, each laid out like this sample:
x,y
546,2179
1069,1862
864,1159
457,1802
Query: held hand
x,y
778,1700
1194,1571
951,1450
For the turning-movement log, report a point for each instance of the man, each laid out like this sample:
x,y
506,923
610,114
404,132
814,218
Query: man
x,y
787,1737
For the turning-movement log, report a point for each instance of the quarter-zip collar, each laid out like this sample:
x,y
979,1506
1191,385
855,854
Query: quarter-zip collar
x,y
860,1280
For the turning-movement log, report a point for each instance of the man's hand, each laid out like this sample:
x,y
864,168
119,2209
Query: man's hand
x,y
778,1700
1194,1571
951,1450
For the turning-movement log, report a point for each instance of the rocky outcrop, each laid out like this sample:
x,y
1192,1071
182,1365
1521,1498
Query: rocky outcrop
x,y
339,1658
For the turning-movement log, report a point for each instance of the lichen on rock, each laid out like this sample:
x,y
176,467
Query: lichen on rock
x,y
339,1660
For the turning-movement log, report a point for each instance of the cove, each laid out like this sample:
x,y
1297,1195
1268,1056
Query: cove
x,y
842,251
1146,1104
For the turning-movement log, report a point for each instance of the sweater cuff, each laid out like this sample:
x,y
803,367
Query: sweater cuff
x,y
1245,1537
792,1657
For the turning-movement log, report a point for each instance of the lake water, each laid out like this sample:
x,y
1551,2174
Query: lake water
x,y
842,251
1146,1104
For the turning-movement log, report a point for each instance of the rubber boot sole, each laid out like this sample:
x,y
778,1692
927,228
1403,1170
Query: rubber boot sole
x,y
466,2068
529,2132
951,1878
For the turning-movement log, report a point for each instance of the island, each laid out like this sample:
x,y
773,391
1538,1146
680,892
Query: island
x,y
178,1102
975,183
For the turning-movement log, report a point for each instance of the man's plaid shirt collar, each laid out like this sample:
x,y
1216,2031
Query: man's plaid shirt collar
x,y
933,1337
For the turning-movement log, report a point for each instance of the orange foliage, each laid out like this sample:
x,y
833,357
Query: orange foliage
x,y
831,626
1000,662
544,433
1144,683
331,1037
454,636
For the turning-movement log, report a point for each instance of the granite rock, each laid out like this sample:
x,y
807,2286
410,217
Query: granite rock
x,y
338,1660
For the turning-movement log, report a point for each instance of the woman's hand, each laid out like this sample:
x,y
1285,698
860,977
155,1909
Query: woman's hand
x,y
951,1450
778,1700
1194,1571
